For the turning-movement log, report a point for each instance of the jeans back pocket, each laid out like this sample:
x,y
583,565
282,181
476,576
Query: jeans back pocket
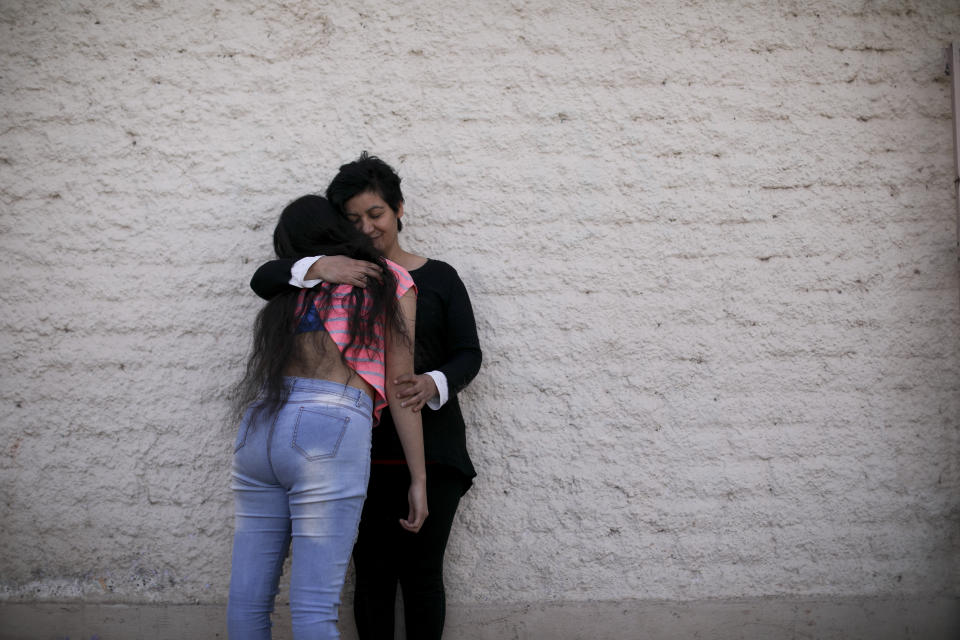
x,y
317,433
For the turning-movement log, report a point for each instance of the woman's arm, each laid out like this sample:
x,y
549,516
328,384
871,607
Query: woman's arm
x,y
463,345
399,361
273,278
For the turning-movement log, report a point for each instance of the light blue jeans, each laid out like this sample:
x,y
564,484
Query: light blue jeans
x,y
302,475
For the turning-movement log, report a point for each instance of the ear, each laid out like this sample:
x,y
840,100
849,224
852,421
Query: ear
x,y
400,210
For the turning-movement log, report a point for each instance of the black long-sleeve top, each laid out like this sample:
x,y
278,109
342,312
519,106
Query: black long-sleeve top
x,y
446,341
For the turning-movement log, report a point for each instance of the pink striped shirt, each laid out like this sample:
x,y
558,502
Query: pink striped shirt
x,y
367,361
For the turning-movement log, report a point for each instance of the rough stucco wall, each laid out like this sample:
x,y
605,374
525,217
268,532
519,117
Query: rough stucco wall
x,y
711,247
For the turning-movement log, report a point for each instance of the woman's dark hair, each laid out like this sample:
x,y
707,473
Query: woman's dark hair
x,y
366,174
309,226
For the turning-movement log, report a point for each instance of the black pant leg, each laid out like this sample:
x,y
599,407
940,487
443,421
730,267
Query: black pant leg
x,y
421,576
386,554
376,554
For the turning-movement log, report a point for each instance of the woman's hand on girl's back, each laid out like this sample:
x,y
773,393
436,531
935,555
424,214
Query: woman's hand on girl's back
x,y
344,270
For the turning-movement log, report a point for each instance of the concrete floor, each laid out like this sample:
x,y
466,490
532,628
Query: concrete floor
x,y
891,618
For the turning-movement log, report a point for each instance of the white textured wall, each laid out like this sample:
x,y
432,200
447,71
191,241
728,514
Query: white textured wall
x,y
711,248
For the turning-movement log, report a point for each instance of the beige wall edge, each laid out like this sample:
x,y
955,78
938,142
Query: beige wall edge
x,y
852,618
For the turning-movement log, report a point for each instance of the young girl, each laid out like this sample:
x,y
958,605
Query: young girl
x,y
322,370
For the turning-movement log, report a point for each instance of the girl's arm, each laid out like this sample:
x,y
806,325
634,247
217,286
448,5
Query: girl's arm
x,y
463,349
399,361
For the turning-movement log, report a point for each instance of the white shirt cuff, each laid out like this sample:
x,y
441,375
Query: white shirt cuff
x,y
443,393
299,271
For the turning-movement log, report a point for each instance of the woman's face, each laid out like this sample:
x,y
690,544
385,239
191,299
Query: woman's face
x,y
370,214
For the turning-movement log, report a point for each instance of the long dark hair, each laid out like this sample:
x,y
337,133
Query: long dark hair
x,y
310,226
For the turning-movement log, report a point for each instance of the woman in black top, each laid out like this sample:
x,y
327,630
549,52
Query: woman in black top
x,y
446,358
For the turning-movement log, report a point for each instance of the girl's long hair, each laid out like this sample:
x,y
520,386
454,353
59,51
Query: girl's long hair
x,y
309,226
